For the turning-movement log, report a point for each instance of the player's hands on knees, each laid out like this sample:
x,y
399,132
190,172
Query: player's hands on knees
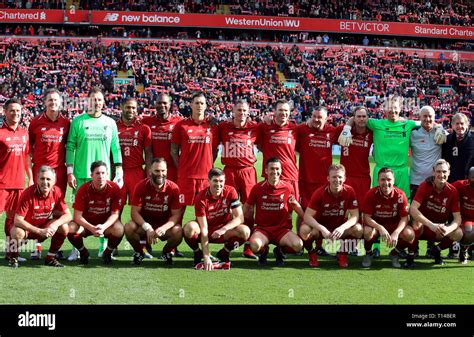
x,y
393,240
160,232
208,263
218,233
71,181
385,235
99,230
326,234
337,233
441,229
151,236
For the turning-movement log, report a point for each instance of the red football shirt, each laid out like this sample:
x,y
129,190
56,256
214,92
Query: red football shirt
x,y
385,209
37,208
134,138
237,144
315,148
14,147
272,206
161,133
355,157
48,140
156,205
279,142
466,199
96,206
437,206
331,209
196,142
218,211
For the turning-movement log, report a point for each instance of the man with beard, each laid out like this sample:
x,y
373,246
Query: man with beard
x,y
38,204
161,126
156,213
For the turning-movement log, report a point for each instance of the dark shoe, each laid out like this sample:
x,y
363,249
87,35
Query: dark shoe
x,y
223,255
322,252
138,258
168,258
262,258
13,262
176,253
437,257
107,257
280,261
410,263
60,255
53,262
197,256
84,256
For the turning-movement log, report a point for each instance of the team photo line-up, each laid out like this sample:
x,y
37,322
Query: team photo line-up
x,y
164,162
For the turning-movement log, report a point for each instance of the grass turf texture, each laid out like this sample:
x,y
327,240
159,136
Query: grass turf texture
x,y
246,283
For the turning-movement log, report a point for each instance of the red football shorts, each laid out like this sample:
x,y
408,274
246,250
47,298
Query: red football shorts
x,y
190,187
274,234
242,179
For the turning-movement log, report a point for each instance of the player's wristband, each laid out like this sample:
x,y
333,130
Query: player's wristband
x,y
146,226
70,170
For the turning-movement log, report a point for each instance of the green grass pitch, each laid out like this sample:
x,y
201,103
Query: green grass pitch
x,y
245,283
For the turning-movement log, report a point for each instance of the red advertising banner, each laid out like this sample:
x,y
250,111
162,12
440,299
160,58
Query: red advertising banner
x,y
31,16
76,16
280,23
235,22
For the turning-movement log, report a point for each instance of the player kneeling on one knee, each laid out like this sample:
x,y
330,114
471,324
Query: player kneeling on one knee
x,y
273,201
32,221
219,219
96,212
332,214
385,210
156,213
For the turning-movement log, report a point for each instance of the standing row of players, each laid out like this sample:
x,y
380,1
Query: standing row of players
x,y
189,147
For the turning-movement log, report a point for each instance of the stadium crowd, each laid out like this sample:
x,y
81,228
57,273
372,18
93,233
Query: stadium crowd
x,y
338,80
457,13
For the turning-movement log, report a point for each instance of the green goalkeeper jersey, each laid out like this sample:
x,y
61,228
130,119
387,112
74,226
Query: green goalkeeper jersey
x,y
391,141
91,139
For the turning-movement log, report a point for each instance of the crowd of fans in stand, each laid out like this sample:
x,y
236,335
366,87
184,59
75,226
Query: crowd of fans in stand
x,y
444,12
338,80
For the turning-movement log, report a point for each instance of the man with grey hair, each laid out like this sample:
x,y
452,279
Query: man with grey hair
x,y
459,153
42,213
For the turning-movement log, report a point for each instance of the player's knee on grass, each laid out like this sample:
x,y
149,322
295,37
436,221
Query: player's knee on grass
x,y
191,229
